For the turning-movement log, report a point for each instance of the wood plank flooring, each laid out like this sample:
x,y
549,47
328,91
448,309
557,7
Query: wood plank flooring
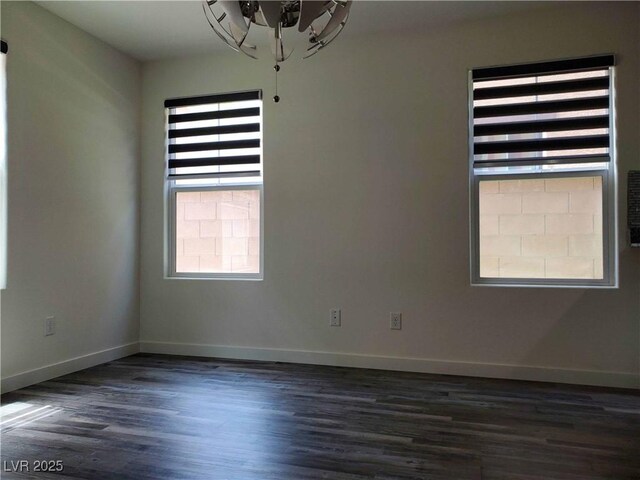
x,y
161,417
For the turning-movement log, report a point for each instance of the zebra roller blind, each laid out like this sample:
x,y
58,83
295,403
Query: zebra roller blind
x,y
215,136
548,112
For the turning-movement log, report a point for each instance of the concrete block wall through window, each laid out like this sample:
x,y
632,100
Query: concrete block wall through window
x,y
218,231
541,228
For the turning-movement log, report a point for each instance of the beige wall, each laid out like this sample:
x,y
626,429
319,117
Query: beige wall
x,y
73,120
366,206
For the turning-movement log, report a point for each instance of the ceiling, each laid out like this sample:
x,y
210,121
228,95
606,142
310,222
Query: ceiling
x,y
149,30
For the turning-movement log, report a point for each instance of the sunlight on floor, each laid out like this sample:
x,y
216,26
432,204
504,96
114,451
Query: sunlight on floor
x,y
18,414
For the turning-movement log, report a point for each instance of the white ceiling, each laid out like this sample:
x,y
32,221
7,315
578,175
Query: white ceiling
x,y
149,30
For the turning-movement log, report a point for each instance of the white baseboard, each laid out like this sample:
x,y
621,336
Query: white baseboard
x,y
490,370
65,367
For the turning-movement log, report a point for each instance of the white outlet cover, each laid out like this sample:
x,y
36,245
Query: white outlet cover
x,y
395,321
49,326
335,317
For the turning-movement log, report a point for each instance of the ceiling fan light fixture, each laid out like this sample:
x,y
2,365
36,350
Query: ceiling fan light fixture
x,y
232,20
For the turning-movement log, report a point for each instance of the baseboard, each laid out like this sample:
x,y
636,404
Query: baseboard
x,y
516,372
65,367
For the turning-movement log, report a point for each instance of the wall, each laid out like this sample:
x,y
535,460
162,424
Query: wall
x,y
366,209
73,119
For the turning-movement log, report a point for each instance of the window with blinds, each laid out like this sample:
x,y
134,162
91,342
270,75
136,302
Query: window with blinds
x,y
3,164
542,176
542,113
215,139
215,188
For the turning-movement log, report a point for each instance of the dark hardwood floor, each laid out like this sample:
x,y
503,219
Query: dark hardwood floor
x,y
162,417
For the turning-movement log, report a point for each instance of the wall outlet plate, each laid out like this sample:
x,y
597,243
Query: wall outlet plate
x,y
335,317
49,326
395,321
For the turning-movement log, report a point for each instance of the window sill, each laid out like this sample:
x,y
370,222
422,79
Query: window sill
x,y
599,286
234,278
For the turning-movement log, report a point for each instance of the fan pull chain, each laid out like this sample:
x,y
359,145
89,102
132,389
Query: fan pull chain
x,y
276,67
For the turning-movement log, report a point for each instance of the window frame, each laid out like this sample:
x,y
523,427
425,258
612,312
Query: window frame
x,y
4,159
609,208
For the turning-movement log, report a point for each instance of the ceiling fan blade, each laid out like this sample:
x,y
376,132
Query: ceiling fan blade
x,y
237,33
234,14
221,32
248,50
271,10
324,43
309,11
340,13
215,29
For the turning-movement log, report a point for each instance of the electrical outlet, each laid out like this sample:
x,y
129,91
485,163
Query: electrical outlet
x,y
335,317
395,320
49,326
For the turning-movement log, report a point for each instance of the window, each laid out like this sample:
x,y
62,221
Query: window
x,y
542,174
3,164
214,184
